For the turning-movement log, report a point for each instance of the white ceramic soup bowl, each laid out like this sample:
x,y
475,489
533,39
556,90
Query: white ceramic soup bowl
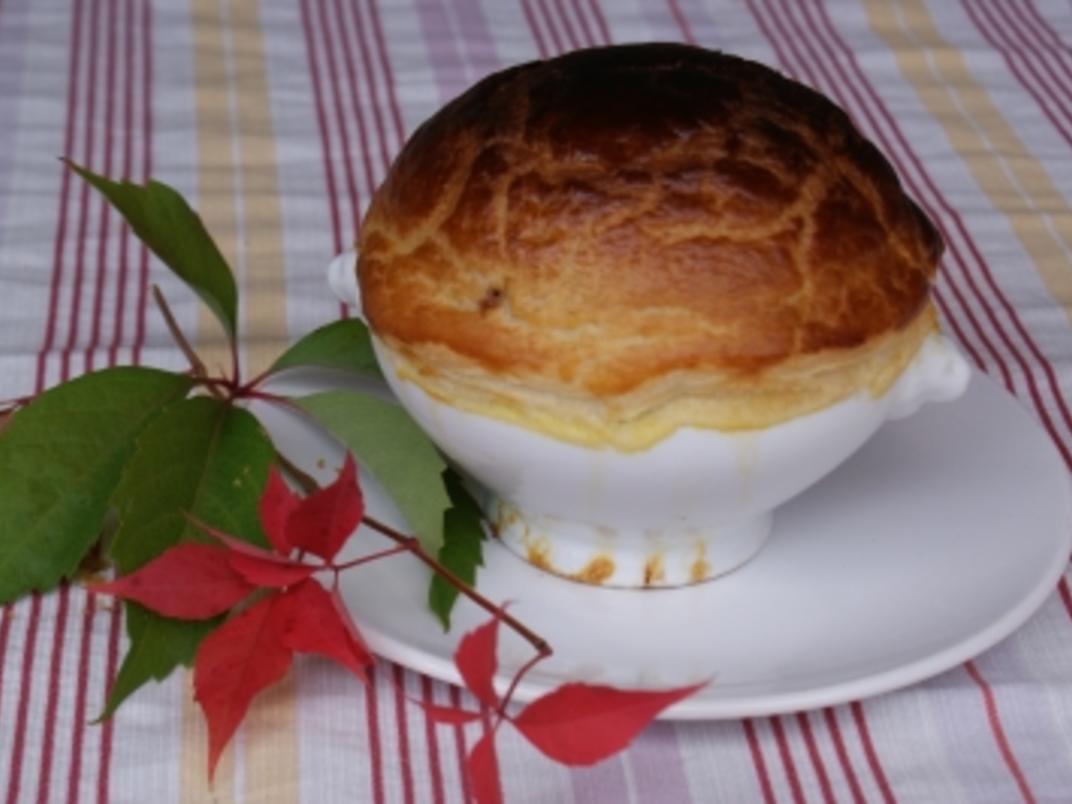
x,y
693,506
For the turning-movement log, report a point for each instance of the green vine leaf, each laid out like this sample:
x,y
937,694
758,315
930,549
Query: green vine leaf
x,y
463,547
60,460
164,221
397,452
343,345
204,457
157,646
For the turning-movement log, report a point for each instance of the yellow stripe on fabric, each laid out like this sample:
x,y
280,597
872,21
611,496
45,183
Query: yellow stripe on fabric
x,y
271,747
194,787
239,197
239,202
264,289
1014,181
215,179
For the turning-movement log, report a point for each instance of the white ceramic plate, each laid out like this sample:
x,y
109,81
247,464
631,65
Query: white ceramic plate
x,y
933,543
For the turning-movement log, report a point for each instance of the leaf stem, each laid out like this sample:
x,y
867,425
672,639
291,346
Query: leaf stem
x,y
390,551
177,335
411,544
251,385
307,483
236,370
521,673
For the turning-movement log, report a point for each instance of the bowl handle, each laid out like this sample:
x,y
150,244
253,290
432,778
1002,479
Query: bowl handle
x,y
342,278
938,373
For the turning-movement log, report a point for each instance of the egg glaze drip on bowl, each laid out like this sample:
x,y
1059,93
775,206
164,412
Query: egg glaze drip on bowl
x,y
610,245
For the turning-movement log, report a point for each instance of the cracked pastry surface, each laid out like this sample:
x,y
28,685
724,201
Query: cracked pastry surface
x,y
621,241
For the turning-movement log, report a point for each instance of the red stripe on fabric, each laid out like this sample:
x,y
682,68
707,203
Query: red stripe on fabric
x,y
862,105
104,770
537,35
958,257
1037,20
147,161
29,650
322,128
816,758
127,167
1066,595
48,743
601,21
1023,21
993,718
567,25
104,766
981,264
111,23
340,120
869,751
65,186
783,747
552,32
75,310
5,630
787,760
60,619
355,100
578,11
435,771
1014,56
758,762
372,721
681,21
485,723
388,73
843,756
405,762
958,332
74,776
459,744
1041,42
56,281
365,46
773,38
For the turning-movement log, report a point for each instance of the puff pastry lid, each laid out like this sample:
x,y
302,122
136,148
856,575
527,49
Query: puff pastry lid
x,y
621,241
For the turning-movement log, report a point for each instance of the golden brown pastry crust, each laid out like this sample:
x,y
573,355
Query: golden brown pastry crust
x,y
640,222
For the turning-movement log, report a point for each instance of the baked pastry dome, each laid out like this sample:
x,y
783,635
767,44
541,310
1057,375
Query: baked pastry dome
x,y
622,241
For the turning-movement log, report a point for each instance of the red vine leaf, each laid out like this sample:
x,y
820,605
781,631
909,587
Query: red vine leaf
x,y
188,582
448,715
476,660
580,724
310,622
322,521
235,662
277,503
483,769
265,572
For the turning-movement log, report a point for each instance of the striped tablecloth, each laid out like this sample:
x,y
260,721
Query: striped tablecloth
x,y
278,119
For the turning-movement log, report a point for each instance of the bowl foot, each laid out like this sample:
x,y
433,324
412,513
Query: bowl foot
x,y
605,556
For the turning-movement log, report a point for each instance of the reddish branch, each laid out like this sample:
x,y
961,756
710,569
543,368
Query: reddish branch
x,y
537,642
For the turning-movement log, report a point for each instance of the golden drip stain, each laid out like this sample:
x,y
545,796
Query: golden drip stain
x,y
653,570
596,571
539,554
700,568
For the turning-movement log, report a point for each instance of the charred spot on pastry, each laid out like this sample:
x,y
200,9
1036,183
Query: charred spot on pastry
x,y
491,299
